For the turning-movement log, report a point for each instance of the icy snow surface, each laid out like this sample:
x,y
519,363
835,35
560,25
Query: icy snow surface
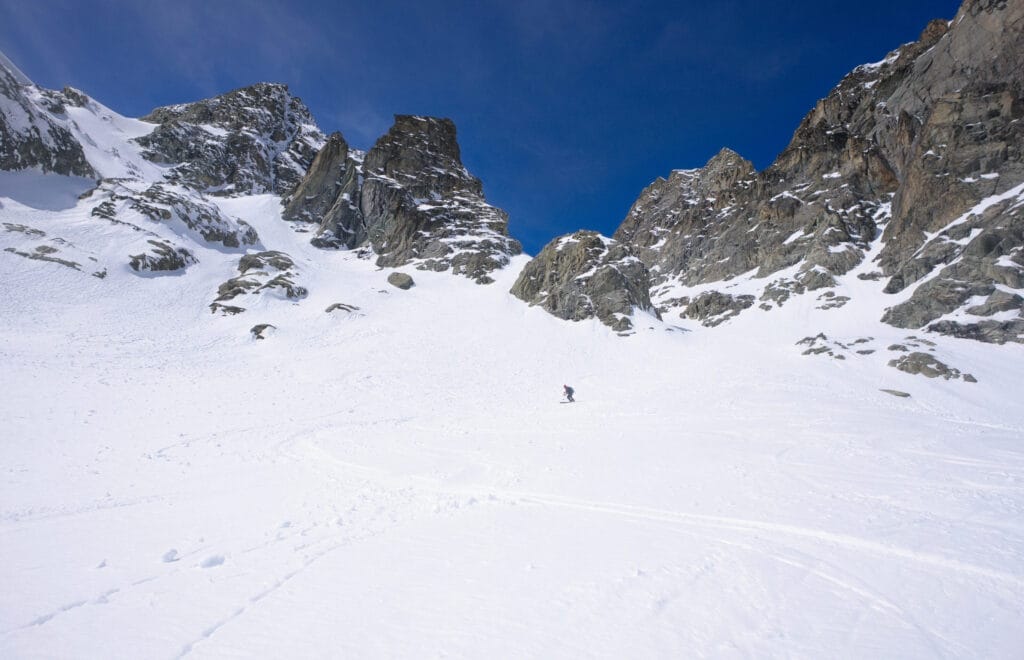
x,y
398,478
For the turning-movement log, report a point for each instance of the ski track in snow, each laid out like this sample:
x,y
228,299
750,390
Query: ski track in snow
x,y
400,482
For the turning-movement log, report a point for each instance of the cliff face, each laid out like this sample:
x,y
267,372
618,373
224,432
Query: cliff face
x,y
585,275
33,130
252,140
409,198
921,150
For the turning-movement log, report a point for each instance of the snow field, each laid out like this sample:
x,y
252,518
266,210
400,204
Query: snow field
x,y
400,480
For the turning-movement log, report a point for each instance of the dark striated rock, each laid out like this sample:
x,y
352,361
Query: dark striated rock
x,y
126,202
162,257
420,205
262,273
713,308
586,275
993,332
30,133
262,331
252,140
401,281
927,144
329,196
928,365
345,307
409,198
225,310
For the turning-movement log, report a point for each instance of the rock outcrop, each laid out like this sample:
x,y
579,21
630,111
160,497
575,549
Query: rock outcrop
x,y
925,145
410,199
128,203
713,308
252,140
33,243
401,280
586,275
30,134
329,196
270,273
162,257
929,366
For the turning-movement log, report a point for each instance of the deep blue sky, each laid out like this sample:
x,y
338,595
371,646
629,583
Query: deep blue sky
x,y
565,109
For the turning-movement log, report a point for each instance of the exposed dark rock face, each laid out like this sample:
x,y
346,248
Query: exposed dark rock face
x,y
927,144
162,257
928,365
329,195
409,198
262,331
713,308
127,202
401,280
586,275
345,307
252,140
262,273
30,134
421,206
991,331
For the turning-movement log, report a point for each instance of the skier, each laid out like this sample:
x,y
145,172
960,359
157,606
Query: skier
x,y
568,393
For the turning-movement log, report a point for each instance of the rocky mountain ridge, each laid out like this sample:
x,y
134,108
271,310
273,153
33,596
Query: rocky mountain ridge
x,y
33,130
409,198
921,151
412,202
907,175
251,140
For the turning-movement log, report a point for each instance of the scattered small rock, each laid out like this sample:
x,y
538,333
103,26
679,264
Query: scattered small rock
x,y
262,331
226,310
898,393
821,344
343,307
401,280
832,301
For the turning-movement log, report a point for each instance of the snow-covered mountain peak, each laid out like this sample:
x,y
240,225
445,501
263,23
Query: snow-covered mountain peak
x,y
230,428
251,140
915,146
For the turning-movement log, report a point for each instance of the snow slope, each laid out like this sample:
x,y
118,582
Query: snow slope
x,y
400,480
